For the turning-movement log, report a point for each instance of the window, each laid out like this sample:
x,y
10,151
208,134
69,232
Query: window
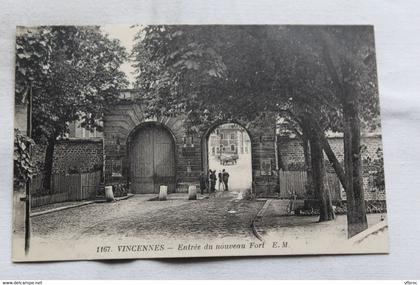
x,y
212,150
232,136
116,168
221,136
232,147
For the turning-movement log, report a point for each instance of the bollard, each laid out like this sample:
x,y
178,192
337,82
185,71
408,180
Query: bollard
x,y
163,192
109,195
192,192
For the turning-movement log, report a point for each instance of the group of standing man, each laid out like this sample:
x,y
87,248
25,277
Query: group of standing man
x,y
211,179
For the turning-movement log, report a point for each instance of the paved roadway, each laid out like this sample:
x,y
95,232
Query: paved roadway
x,y
220,216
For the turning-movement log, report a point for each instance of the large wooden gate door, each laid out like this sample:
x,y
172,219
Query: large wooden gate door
x,y
152,160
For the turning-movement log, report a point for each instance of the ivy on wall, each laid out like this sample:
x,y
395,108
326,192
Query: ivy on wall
x,y
23,167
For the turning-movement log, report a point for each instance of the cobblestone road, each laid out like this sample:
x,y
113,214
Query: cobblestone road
x,y
222,216
302,231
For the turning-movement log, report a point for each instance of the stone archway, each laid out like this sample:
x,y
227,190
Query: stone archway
x,y
123,120
228,145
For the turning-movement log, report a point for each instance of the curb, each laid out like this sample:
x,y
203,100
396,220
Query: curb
x,y
369,231
60,209
78,205
169,198
257,219
115,199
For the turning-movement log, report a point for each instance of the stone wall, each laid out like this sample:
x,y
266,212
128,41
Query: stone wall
x,y
264,156
125,118
78,155
292,158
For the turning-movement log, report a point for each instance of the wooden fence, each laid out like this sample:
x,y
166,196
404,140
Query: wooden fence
x,y
64,188
293,183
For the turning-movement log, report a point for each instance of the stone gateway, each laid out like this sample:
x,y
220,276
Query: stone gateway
x,y
151,152
146,153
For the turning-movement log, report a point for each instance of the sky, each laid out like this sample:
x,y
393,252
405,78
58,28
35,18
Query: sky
x,y
126,35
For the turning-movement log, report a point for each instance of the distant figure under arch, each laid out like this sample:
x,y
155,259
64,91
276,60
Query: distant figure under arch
x,y
229,148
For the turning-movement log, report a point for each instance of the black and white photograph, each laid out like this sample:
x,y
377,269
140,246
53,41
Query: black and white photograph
x,y
162,141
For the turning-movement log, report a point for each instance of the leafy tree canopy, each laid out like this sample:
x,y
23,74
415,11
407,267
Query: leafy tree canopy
x,y
72,72
241,71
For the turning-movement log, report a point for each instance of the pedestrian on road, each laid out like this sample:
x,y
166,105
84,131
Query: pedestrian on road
x,y
203,182
221,184
209,181
213,181
225,176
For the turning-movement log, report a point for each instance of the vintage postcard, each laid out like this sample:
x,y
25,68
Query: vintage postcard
x,y
161,141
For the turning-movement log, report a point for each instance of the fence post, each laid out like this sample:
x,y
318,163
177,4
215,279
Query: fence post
x,y
80,192
280,181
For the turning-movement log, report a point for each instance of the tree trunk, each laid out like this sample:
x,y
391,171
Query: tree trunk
x,y
334,161
356,208
331,156
308,163
48,164
326,211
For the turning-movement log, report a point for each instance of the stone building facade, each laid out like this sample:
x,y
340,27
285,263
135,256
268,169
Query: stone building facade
x,y
77,131
146,153
229,138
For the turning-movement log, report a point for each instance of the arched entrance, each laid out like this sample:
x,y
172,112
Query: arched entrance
x,y
151,156
228,146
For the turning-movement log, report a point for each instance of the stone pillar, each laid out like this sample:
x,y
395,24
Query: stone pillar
x,y
163,192
192,192
109,195
264,156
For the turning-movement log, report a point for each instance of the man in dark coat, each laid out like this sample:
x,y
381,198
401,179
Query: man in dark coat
x,y
213,179
225,177
221,184
203,182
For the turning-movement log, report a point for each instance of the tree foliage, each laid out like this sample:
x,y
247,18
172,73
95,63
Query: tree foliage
x,y
73,75
316,78
377,165
23,167
73,72
224,71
